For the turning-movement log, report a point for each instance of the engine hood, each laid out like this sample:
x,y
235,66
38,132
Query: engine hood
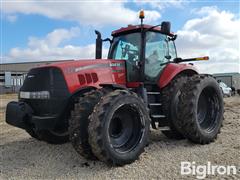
x,y
90,72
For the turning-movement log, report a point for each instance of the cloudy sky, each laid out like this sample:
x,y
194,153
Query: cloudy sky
x,y
56,30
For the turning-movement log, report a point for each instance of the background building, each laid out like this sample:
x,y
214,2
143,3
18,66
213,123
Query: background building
x,y
12,75
230,79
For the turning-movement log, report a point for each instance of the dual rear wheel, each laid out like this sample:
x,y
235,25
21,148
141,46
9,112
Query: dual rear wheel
x,y
201,107
194,108
113,129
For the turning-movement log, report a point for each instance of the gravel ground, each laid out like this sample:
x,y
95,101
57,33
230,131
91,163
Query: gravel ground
x,y
23,157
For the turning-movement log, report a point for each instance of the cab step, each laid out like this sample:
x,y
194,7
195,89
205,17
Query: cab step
x,y
155,104
153,93
158,116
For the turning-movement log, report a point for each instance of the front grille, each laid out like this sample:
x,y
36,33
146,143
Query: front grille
x,y
46,79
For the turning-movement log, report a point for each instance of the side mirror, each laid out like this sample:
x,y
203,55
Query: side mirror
x,y
173,38
165,27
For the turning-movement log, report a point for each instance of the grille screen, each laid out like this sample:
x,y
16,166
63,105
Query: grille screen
x,y
46,79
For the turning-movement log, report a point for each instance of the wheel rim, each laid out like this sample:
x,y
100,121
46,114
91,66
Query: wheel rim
x,y
125,128
207,110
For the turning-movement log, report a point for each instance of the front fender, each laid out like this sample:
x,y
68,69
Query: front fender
x,y
172,70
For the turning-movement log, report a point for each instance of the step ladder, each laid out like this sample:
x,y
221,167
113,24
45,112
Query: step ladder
x,y
154,105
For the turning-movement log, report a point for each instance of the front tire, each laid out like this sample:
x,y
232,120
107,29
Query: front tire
x,y
119,128
201,107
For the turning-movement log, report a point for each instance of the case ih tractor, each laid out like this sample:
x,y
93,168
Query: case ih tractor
x,y
106,106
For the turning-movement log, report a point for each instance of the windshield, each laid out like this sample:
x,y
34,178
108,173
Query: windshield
x,y
158,51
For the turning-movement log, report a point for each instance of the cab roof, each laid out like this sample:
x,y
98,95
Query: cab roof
x,y
135,28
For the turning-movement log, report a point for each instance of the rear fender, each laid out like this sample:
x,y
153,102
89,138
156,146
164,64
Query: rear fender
x,y
172,70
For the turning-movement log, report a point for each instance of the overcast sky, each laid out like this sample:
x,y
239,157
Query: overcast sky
x,y
56,30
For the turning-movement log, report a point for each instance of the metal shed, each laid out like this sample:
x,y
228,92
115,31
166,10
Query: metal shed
x,y
230,79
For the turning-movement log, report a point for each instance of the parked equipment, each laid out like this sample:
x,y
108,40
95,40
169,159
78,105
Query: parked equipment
x,y
227,91
106,106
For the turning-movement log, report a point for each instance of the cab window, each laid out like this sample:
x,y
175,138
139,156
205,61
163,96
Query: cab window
x,y
126,47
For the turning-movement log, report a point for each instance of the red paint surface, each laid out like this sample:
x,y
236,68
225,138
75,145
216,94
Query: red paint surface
x,y
133,84
171,70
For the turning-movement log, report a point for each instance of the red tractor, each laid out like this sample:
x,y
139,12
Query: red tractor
x,y
106,106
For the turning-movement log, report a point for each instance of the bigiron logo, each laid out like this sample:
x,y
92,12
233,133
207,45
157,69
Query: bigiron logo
x,y
201,171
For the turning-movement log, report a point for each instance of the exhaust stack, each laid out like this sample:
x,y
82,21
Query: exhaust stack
x,y
98,52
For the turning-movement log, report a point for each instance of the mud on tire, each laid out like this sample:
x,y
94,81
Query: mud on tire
x,y
78,123
119,128
201,107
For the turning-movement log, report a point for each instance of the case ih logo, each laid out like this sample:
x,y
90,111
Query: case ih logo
x,y
116,64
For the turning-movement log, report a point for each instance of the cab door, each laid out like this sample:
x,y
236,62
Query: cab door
x,y
127,47
156,54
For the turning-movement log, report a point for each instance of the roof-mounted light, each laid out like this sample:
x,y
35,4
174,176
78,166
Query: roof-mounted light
x,y
141,14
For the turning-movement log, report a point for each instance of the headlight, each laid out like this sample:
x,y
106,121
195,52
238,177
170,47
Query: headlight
x,y
34,95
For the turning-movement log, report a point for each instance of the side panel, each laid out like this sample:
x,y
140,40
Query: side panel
x,y
118,71
88,78
171,70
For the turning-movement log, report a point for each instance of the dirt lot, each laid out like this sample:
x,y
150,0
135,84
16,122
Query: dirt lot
x,y
23,157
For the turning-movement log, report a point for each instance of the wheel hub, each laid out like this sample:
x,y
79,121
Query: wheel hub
x,y
125,129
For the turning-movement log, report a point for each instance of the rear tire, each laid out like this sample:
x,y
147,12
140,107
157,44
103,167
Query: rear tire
x,y
170,99
78,123
201,107
119,128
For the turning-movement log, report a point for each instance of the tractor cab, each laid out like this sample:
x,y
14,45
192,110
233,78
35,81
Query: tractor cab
x,y
146,52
